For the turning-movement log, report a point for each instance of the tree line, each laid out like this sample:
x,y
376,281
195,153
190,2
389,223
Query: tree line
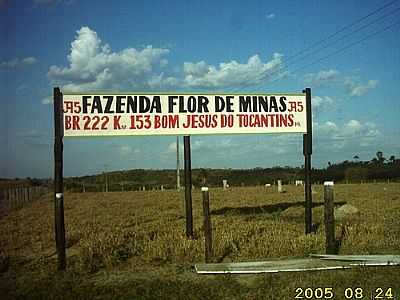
x,y
349,171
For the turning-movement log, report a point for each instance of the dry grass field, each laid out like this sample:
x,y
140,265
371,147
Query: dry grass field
x,y
132,245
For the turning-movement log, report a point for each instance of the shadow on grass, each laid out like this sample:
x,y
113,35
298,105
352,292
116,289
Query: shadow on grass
x,y
266,209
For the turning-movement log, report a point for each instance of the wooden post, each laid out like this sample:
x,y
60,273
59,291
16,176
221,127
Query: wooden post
x,y
178,167
330,244
307,151
6,200
188,186
26,198
11,198
58,180
18,197
207,225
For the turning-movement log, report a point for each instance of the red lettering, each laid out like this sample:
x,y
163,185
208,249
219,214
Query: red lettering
x,y
96,122
292,106
67,122
300,106
147,123
77,107
68,107
117,119
290,120
157,122
75,123
105,120
86,119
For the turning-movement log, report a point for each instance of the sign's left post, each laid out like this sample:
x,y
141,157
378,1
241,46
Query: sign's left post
x,y
58,179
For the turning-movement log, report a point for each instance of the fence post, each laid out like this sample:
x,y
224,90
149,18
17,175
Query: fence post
x,y
25,195
330,242
207,224
15,201
10,198
19,197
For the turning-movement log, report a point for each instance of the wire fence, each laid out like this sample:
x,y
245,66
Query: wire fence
x,y
17,197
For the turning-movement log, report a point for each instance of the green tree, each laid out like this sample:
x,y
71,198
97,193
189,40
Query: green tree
x,y
379,156
356,174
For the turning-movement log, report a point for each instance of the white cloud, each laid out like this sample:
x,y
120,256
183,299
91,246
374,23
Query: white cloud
x,y
270,16
353,133
17,63
352,128
326,128
231,74
163,62
171,148
320,102
52,2
45,2
28,60
323,77
125,150
356,89
93,66
47,100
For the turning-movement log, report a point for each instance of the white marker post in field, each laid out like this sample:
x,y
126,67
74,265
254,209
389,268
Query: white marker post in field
x,y
224,184
280,190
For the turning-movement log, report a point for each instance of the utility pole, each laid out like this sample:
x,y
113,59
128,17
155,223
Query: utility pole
x,y
105,179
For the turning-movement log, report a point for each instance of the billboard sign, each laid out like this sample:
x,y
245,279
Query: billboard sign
x,y
182,114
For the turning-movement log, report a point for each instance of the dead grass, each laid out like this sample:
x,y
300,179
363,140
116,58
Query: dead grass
x,y
133,244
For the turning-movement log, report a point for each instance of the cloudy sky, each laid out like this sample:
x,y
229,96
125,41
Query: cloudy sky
x,y
346,51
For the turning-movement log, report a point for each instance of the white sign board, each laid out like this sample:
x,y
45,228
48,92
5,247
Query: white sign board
x,y
182,114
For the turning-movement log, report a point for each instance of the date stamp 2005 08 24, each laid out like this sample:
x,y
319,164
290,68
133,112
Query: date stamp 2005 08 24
x,y
346,293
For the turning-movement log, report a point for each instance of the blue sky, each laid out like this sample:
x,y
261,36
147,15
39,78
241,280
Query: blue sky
x,y
198,46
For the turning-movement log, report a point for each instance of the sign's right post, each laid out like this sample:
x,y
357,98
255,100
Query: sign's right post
x,y
307,151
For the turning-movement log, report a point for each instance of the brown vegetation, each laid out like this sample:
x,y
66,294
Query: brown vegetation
x,y
132,245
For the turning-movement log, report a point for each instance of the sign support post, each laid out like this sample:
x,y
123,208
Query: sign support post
x,y
58,179
307,151
178,178
188,186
